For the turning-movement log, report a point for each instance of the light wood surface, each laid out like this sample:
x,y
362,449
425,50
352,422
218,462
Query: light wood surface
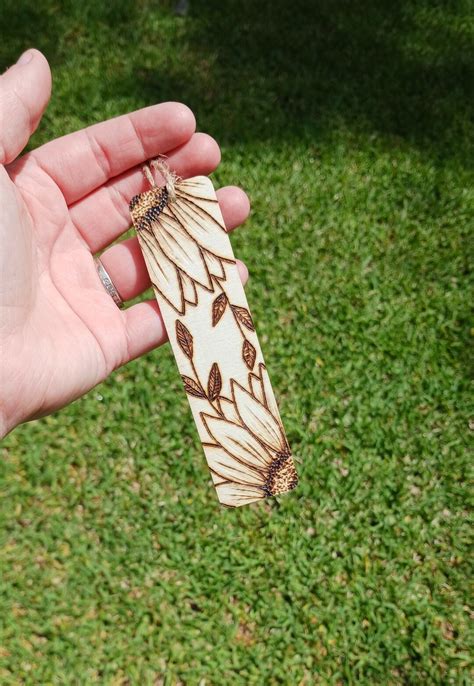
x,y
192,268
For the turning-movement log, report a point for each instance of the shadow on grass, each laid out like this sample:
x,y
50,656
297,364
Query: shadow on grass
x,y
273,69
266,70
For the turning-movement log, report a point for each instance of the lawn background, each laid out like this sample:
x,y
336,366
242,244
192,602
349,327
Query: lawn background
x,y
350,126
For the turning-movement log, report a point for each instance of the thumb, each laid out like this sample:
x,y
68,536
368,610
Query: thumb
x,y
25,90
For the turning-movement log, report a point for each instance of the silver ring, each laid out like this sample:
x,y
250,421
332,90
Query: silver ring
x,y
107,283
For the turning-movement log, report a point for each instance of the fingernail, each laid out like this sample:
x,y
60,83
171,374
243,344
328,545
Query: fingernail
x,y
26,57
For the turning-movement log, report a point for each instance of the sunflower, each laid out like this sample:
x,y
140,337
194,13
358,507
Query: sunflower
x,y
180,241
250,457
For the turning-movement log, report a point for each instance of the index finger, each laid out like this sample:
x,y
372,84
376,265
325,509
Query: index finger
x,y
82,161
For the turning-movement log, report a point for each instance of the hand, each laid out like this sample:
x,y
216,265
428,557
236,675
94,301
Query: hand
x,y
60,332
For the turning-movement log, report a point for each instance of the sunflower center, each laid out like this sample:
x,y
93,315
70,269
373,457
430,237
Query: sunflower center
x,y
146,207
282,475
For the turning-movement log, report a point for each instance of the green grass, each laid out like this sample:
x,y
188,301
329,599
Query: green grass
x,y
350,126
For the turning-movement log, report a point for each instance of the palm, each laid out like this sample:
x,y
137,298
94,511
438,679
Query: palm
x,y
61,332
73,333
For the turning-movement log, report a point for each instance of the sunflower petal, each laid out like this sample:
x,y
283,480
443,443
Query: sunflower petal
x,y
214,265
200,191
180,248
235,495
257,418
216,479
237,441
269,398
163,274
202,226
228,408
199,185
255,385
189,289
230,469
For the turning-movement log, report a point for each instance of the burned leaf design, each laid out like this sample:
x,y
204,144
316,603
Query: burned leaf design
x,y
244,317
249,354
218,308
214,384
192,388
185,339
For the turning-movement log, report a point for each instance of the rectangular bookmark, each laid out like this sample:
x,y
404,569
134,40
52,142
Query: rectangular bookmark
x,y
198,288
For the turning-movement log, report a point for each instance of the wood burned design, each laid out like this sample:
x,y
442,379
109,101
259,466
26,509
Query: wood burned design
x,y
194,275
184,241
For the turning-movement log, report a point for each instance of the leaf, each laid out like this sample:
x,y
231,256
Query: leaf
x,y
244,317
249,354
184,338
218,308
192,388
214,384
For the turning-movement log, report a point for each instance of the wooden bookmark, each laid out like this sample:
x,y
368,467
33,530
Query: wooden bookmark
x,y
194,275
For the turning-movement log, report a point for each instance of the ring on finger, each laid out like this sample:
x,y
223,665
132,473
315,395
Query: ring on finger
x,y
107,283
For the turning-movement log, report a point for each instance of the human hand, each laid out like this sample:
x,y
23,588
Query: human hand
x,y
60,331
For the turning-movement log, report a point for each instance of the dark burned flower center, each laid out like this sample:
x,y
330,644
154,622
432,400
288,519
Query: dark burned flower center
x,y
147,207
281,475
